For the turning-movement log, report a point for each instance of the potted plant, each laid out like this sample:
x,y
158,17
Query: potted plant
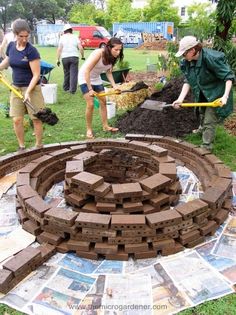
x,y
119,73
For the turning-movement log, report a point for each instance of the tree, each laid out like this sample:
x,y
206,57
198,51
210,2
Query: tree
x,y
161,11
201,20
225,25
122,13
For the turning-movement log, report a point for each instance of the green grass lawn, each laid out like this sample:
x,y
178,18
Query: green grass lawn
x,y
70,110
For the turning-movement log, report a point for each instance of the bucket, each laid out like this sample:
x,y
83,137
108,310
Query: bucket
x,y
111,109
49,93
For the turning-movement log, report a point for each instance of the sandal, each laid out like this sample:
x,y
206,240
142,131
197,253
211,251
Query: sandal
x,y
110,129
90,135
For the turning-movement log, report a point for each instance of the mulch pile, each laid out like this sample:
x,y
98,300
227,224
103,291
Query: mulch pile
x,y
168,122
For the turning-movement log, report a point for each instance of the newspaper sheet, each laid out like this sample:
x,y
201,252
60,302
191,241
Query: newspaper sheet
x,y
192,275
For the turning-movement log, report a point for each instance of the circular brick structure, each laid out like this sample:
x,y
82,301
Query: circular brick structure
x,y
120,192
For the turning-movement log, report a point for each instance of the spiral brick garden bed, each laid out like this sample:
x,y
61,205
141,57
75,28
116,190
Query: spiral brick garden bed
x,y
124,197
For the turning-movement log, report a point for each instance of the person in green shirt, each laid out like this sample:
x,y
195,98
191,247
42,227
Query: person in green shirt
x,y
209,76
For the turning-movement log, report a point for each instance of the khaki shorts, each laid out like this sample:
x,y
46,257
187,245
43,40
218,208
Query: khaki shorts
x,y
19,109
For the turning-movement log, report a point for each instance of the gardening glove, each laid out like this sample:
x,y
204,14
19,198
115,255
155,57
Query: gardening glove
x,y
58,63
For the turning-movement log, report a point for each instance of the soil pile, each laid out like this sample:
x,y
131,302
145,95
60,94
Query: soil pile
x,y
168,122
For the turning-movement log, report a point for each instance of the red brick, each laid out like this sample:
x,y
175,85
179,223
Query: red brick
x,y
155,182
164,218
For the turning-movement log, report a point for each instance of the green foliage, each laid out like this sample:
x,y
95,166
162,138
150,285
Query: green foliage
x,y
159,86
172,61
122,12
161,62
122,64
83,14
161,11
201,20
226,26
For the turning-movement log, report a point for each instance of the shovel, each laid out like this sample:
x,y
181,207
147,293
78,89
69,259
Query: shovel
x,y
138,86
159,106
45,114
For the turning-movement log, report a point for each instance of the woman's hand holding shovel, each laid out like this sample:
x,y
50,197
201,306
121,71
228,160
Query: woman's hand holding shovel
x,y
177,104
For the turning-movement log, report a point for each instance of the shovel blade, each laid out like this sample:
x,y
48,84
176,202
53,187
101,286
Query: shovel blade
x,y
154,105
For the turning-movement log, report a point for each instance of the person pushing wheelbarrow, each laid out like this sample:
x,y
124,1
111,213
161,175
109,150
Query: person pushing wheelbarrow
x,y
209,77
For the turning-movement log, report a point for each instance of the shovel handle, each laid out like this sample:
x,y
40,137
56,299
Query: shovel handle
x,y
16,92
215,103
116,92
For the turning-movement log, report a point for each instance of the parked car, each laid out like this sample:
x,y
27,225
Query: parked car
x,y
92,36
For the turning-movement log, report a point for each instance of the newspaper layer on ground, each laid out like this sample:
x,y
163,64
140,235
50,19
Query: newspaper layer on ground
x,y
70,285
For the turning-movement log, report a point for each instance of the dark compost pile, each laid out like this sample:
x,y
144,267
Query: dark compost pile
x,y
168,122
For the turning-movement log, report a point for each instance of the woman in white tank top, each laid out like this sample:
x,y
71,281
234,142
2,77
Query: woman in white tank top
x,y
90,81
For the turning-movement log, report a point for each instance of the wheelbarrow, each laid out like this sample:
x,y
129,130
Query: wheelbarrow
x,y
138,86
45,69
45,114
159,106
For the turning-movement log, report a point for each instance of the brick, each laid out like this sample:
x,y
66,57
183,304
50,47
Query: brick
x,y
50,238
31,227
23,261
132,206
214,197
195,242
76,245
106,206
25,192
5,276
159,200
89,180
46,251
74,167
192,208
89,255
210,227
189,237
102,190
89,207
147,254
136,248
164,218
159,245
22,179
75,199
127,190
102,248
37,205
128,221
93,220
168,169
221,216
61,215
155,182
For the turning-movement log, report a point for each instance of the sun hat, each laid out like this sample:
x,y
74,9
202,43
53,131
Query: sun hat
x,y
185,44
67,27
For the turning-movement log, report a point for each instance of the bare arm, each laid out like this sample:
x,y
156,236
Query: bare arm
x,y
110,78
35,68
90,65
59,50
228,86
81,49
4,64
184,92
3,46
